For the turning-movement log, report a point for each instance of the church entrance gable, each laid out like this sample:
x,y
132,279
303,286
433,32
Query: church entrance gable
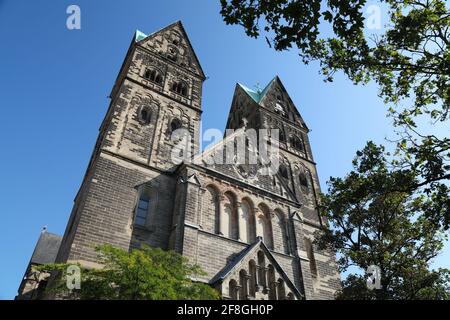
x,y
254,274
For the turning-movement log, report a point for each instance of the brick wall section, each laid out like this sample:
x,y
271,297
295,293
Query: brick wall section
x,y
213,252
148,143
110,205
177,229
327,281
210,210
279,232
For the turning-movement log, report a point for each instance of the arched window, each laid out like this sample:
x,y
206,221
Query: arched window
x,y
305,179
175,124
252,283
279,233
145,115
246,222
312,260
142,209
283,171
153,75
264,226
228,218
296,143
281,291
233,289
261,270
179,87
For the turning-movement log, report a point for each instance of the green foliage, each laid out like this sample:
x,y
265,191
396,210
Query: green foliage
x,y
411,56
142,274
376,218
388,213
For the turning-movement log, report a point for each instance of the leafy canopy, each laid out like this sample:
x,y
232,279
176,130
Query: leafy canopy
x,y
375,220
411,56
408,57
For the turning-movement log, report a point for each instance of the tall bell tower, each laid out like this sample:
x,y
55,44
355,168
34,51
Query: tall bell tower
x,y
158,90
164,81
272,108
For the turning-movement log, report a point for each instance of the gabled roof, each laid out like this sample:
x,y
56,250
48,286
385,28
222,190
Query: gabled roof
x,y
139,36
236,262
258,95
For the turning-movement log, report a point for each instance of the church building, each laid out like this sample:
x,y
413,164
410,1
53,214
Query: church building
x,y
252,233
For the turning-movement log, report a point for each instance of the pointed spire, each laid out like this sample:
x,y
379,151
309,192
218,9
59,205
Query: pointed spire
x,y
258,94
141,38
139,35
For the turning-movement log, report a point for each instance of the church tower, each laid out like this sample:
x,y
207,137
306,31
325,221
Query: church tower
x,y
293,220
272,108
158,90
251,233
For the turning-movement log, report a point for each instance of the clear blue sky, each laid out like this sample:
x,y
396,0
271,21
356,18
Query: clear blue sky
x,y
54,85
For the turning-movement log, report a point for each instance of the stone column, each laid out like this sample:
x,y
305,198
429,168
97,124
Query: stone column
x,y
243,282
237,293
241,224
246,287
259,231
269,219
265,282
201,194
262,277
221,199
259,280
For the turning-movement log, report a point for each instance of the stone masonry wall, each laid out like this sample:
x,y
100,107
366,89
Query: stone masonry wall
x,y
110,205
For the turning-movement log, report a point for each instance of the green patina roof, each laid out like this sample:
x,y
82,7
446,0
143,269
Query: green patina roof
x,y
256,95
139,35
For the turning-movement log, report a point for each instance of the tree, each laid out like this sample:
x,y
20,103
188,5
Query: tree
x,y
411,55
409,60
142,274
374,221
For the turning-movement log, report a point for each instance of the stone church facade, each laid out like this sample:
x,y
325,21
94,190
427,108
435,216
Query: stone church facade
x,y
252,234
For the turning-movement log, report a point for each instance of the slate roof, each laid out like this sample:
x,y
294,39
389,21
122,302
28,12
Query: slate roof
x,y
230,266
46,248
